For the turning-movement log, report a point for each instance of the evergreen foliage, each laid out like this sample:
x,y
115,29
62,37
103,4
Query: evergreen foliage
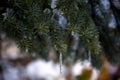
x,y
34,24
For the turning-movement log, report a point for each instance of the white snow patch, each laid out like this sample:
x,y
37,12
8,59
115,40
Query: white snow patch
x,y
53,4
48,70
112,23
11,74
77,68
62,21
98,11
105,4
42,69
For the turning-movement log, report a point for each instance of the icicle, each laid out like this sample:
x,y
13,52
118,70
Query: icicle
x,y
60,58
89,56
26,50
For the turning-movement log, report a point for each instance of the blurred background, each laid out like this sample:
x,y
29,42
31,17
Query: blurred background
x,y
59,39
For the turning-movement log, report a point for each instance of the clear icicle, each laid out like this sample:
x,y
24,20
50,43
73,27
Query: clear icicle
x,y
89,55
26,50
60,58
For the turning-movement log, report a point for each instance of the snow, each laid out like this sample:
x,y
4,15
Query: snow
x,y
112,23
62,21
116,3
11,74
8,13
53,4
48,70
79,66
98,11
42,69
95,74
105,4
